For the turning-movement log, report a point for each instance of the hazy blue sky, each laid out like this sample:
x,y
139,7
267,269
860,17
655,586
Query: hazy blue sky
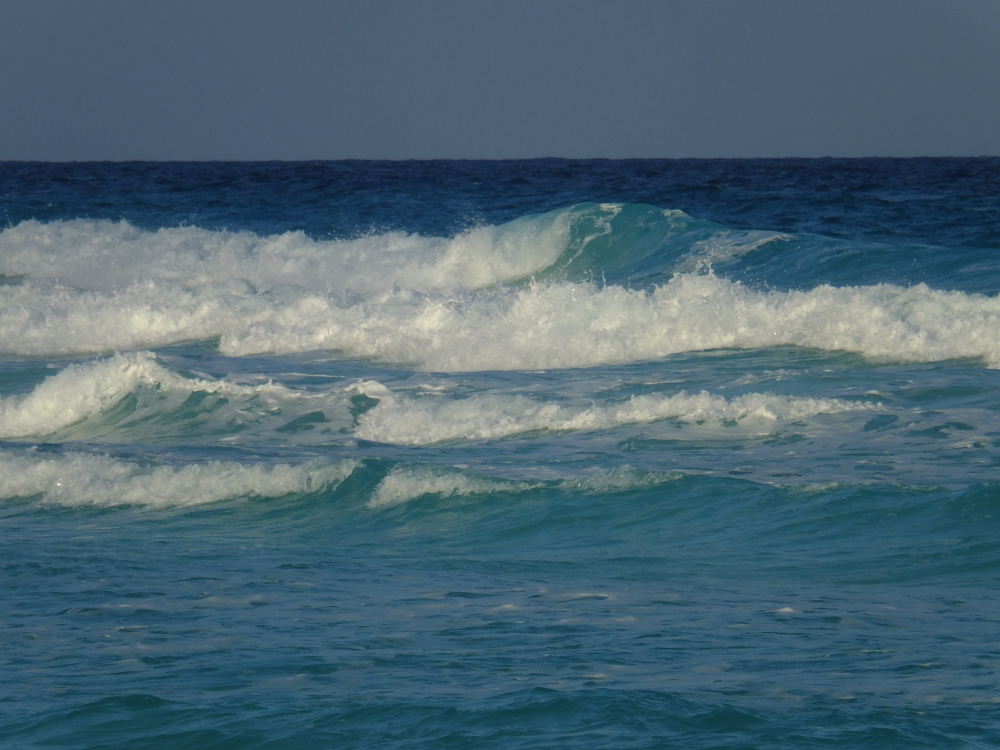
x,y
304,79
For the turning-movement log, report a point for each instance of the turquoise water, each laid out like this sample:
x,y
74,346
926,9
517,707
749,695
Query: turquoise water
x,y
515,455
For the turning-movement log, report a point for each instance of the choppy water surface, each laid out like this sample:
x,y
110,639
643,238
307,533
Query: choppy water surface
x,y
500,454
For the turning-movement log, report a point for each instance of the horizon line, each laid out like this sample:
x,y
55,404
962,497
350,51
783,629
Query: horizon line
x,y
495,159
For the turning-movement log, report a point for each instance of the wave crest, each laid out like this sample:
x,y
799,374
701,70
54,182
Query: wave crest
x,y
522,295
78,479
432,419
133,396
565,325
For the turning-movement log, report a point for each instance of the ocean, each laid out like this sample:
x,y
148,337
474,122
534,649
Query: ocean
x,y
512,454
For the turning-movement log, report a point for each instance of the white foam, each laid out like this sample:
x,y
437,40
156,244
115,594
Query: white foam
x,y
432,419
433,303
97,286
85,390
107,256
405,483
94,480
39,319
581,325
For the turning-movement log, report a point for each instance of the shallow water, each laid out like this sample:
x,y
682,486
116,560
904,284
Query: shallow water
x,y
501,454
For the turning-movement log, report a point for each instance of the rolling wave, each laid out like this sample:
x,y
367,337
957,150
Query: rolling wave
x,y
134,396
80,479
567,325
583,286
405,483
429,420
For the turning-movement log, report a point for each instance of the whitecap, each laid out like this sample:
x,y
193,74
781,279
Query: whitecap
x,y
432,419
405,483
79,479
71,403
566,325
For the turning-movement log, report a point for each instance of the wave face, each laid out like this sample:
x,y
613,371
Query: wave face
x,y
135,396
82,392
694,454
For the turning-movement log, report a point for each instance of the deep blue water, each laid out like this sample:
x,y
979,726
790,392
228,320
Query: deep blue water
x,y
541,454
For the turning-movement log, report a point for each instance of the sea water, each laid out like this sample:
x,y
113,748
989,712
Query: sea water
x,y
543,454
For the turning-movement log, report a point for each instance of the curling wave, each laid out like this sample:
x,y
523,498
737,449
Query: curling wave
x,y
133,396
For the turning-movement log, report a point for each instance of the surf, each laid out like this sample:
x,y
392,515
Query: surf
x,y
588,285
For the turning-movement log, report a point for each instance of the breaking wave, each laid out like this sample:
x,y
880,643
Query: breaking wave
x,y
584,286
405,483
134,396
429,419
79,479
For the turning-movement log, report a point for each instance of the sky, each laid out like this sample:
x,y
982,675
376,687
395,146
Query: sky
x,y
471,79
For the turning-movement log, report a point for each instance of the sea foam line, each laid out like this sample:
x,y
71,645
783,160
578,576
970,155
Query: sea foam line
x,y
544,326
79,479
405,483
432,419
566,325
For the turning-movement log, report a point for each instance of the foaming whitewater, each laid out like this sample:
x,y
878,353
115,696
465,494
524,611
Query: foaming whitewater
x,y
583,325
106,256
78,479
134,396
548,325
405,483
85,390
595,240
461,304
431,419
